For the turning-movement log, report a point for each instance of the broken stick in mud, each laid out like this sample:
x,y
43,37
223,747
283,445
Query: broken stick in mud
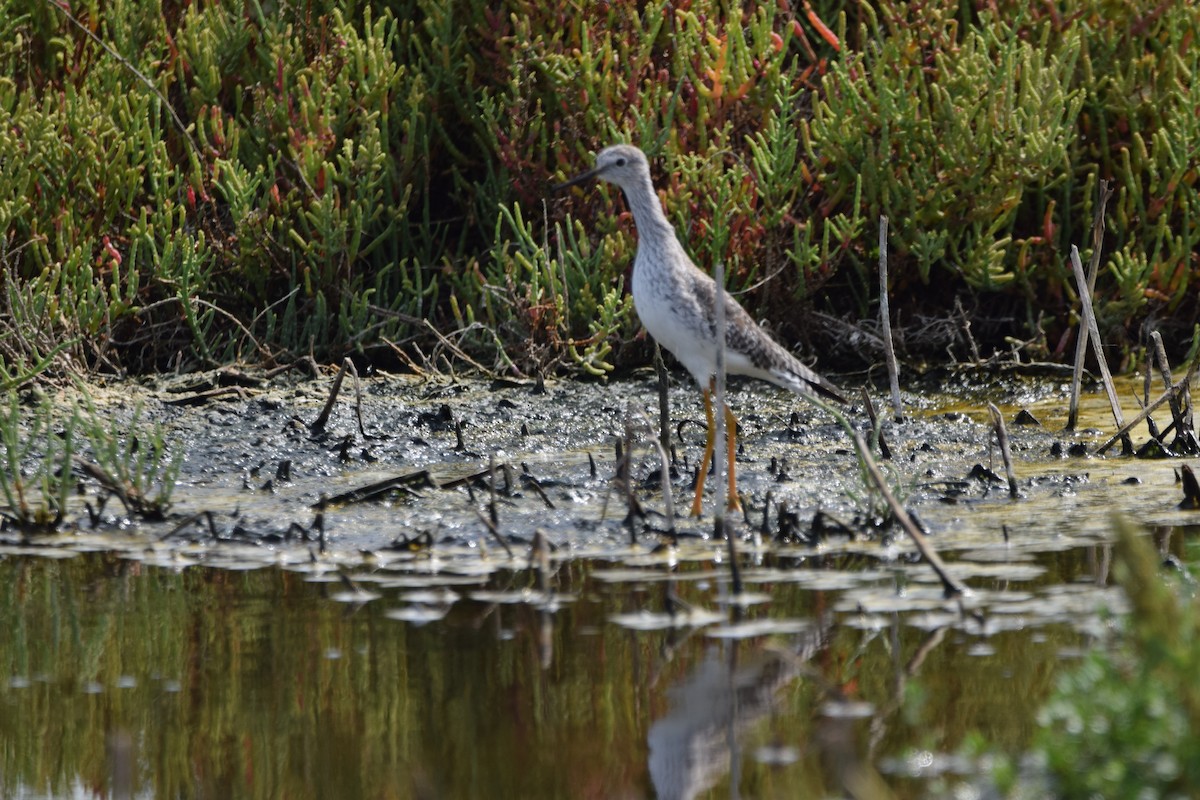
x,y
951,586
1081,342
1005,451
1089,323
1123,432
885,321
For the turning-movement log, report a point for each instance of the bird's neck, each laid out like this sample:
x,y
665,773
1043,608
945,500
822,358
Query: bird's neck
x,y
647,211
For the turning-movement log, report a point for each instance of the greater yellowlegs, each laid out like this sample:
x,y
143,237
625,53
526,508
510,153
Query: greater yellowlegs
x,y
677,302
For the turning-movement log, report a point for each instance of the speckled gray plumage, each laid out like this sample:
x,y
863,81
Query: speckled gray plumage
x,y
676,301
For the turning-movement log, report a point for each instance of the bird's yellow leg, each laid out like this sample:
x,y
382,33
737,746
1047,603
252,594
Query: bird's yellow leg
x,y
709,446
735,503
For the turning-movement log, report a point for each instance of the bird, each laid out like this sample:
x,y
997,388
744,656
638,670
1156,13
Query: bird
x,y
676,303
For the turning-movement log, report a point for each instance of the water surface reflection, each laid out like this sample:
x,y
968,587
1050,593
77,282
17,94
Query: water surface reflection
x,y
118,676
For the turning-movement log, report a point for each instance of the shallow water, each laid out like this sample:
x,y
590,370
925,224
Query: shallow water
x,y
260,683
161,661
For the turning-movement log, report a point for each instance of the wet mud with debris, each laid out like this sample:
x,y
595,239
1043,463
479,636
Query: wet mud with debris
x,y
412,459
458,501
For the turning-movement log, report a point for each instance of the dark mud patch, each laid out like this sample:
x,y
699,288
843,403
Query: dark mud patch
x,y
471,473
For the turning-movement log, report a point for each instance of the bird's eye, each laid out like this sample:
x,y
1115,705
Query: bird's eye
x,y
620,162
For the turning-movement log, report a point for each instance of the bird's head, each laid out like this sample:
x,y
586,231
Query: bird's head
x,y
622,164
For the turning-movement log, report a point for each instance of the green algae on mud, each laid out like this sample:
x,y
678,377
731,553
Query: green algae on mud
x,y
234,645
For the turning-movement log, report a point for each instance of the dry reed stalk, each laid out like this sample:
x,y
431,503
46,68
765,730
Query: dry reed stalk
x,y
1093,267
884,450
664,399
1089,320
1123,434
1005,451
1181,405
885,321
951,585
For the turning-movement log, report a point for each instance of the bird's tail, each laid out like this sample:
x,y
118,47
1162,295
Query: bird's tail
x,y
802,380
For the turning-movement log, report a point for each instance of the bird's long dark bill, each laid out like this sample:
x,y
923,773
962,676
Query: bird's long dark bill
x,y
578,179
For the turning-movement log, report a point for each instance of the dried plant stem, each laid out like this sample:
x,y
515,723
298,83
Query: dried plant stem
x,y
348,365
668,499
626,471
1093,267
952,586
1180,405
1146,381
358,400
966,327
456,350
491,520
1089,320
664,400
735,570
885,321
408,482
1005,451
1172,391
664,461
492,529
884,450
319,423
318,523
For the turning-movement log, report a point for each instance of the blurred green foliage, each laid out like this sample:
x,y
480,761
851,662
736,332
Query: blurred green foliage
x,y
334,175
1127,724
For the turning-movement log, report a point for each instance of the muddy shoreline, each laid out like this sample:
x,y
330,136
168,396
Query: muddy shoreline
x,y
254,470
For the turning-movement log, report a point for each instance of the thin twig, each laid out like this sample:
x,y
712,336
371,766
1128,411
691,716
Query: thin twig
x,y
377,489
491,521
1093,267
319,522
951,585
456,350
405,357
664,399
539,560
1179,405
493,512
735,570
625,468
358,400
966,327
885,322
533,483
1123,433
491,528
1089,319
668,495
319,423
262,349
884,450
1146,383
1005,452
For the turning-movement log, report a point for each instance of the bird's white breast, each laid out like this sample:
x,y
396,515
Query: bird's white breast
x,y
669,311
